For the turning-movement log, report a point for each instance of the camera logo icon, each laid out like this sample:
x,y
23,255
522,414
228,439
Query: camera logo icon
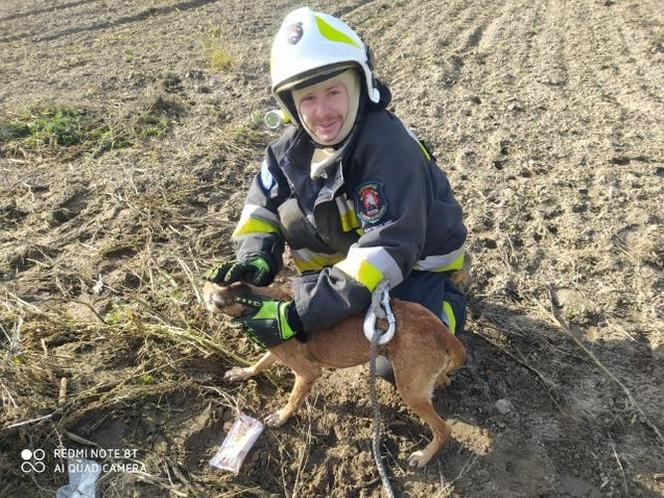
x,y
33,461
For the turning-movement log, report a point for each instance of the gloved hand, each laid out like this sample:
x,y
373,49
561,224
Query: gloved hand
x,y
271,322
255,270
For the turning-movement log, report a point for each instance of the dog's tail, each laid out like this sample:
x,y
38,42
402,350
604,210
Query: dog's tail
x,y
455,358
457,354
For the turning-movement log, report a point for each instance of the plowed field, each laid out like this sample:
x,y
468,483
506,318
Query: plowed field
x,y
129,133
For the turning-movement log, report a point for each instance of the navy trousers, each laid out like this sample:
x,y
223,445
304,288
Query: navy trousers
x,y
433,290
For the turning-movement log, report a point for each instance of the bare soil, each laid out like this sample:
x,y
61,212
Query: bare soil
x,y
548,117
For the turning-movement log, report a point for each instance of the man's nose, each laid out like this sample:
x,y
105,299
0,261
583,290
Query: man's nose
x,y
322,108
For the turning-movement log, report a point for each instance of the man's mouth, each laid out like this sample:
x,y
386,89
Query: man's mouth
x,y
326,127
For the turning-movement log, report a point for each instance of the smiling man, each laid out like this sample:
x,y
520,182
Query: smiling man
x,y
348,188
328,109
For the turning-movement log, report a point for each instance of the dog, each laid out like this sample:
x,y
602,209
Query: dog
x,y
423,352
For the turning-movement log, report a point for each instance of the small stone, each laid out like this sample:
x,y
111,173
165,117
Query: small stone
x,y
504,406
195,74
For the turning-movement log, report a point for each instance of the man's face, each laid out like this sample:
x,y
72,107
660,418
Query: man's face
x,y
324,110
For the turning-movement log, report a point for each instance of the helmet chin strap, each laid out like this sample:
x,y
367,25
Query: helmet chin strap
x,y
350,79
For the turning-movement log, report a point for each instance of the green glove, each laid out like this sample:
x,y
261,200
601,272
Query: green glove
x,y
255,270
271,322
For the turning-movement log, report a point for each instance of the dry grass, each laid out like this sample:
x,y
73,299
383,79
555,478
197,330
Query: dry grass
x,y
115,305
116,196
216,51
36,356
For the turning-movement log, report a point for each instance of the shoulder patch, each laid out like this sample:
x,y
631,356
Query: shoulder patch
x,y
267,180
370,201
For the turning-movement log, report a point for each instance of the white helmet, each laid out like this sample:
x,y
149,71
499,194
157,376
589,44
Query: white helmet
x,y
310,44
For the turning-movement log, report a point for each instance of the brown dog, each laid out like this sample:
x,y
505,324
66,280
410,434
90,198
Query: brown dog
x,y
422,353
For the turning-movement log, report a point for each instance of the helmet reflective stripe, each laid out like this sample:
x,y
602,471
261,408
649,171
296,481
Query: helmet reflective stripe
x,y
310,43
333,34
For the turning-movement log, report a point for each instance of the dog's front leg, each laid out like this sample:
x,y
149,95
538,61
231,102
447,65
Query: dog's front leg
x,y
301,388
239,373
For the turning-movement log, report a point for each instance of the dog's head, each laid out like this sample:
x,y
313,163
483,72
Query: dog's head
x,y
221,299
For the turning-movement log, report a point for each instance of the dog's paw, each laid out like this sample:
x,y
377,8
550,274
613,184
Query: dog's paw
x,y
418,459
236,374
276,419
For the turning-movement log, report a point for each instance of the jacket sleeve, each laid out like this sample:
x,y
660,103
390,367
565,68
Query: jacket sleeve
x,y
258,232
390,200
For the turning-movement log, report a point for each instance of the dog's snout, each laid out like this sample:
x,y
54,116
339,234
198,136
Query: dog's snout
x,y
213,297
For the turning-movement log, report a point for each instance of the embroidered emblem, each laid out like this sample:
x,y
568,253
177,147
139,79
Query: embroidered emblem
x,y
294,33
371,202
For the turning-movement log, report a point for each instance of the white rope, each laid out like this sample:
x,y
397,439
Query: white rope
x,y
380,308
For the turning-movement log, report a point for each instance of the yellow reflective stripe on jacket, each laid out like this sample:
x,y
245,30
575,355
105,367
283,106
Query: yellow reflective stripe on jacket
x,y
371,265
363,271
256,219
447,309
306,260
445,262
253,226
424,151
347,215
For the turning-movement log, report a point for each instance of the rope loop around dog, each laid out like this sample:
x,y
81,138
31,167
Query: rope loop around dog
x,y
380,308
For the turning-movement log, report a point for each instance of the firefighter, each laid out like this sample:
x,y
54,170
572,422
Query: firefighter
x,y
348,188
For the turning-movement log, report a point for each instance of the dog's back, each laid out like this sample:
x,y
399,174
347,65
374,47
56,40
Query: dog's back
x,y
420,337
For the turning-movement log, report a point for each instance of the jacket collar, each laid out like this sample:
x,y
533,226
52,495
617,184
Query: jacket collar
x,y
295,165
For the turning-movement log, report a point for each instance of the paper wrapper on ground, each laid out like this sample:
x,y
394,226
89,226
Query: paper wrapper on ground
x,y
238,442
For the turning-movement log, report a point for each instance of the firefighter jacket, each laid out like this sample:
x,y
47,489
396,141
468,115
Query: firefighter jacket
x,y
384,209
